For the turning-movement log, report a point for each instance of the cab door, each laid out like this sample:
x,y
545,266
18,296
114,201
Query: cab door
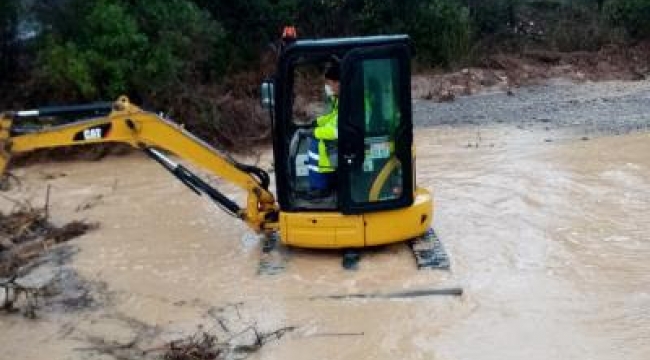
x,y
375,130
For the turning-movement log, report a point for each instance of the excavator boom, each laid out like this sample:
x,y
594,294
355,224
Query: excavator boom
x,y
123,122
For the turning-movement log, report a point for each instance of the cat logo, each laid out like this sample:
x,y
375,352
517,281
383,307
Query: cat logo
x,y
93,133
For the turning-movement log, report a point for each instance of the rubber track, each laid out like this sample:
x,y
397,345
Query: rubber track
x,y
429,252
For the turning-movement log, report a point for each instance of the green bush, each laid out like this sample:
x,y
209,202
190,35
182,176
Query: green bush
x,y
117,48
632,15
8,29
490,17
565,35
101,57
440,28
251,25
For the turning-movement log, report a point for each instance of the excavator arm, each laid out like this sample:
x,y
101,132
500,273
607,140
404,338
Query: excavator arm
x,y
123,122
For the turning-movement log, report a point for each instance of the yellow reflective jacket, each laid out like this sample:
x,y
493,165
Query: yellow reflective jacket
x,y
327,133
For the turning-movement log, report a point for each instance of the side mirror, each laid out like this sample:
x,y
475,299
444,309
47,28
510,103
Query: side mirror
x,y
267,92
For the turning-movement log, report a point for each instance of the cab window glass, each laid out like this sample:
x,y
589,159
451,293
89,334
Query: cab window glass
x,y
309,101
380,178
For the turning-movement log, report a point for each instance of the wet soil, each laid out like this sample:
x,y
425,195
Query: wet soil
x,y
549,240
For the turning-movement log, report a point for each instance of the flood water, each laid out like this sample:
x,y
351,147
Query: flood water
x,y
549,241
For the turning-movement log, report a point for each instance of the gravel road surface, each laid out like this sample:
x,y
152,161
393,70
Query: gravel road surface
x,y
613,107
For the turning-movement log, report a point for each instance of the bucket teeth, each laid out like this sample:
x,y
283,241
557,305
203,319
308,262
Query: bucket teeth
x,y
429,252
273,259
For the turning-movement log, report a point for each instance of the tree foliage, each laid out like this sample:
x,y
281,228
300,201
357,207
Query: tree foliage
x,y
493,16
100,48
632,15
116,47
440,28
201,58
9,10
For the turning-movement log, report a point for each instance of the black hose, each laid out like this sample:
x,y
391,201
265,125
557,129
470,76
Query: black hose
x,y
195,183
260,175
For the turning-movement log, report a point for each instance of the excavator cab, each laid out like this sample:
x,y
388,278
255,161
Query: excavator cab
x,y
374,175
373,153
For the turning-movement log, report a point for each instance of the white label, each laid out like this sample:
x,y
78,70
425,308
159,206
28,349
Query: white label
x,y
301,165
93,134
380,150
368,166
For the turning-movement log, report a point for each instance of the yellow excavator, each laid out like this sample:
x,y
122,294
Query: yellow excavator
x,y
376,200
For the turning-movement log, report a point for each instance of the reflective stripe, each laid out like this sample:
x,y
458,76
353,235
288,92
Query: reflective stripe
x,y
27,113
336,133
321,169
314,156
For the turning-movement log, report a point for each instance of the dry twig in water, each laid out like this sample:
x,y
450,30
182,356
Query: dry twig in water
x,y
206,346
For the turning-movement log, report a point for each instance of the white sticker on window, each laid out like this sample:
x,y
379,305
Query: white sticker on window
x,y
301,165
380,150
368,165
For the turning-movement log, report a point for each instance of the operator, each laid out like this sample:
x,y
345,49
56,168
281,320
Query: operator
x,y
323,147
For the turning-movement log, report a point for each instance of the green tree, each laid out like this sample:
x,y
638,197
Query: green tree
x,y
632,15
116,47
250,26
100,57
187,42
9,10
442,31
440,28
493,16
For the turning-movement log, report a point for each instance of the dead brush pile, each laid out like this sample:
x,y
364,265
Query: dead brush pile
x,y
206,346
201,346
26,233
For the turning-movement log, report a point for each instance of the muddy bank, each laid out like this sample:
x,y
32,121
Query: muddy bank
x,y
508,72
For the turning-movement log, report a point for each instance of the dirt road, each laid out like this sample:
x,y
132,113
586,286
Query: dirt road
x,y
582,109
549,240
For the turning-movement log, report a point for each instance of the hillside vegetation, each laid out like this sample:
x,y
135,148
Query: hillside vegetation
x,y
201,61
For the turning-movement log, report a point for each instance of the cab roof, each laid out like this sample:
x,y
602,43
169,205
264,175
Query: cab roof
x,y
344,44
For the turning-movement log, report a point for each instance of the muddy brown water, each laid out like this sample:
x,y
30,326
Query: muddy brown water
x,y
550,242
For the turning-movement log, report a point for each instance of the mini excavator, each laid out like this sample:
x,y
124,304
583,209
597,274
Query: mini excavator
x,y
376,200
